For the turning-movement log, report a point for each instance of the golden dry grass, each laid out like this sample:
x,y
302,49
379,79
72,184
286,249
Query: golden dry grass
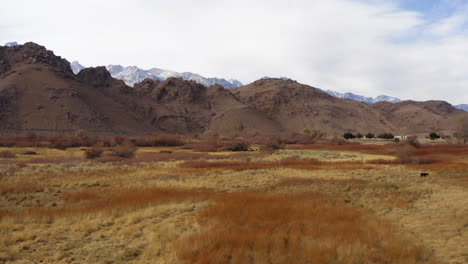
x,y
312,204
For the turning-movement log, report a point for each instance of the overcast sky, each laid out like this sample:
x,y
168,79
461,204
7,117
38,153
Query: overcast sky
x,y
412,49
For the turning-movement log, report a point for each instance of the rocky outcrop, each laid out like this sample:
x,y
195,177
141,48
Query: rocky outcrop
x,y
146,86
177,90
31,53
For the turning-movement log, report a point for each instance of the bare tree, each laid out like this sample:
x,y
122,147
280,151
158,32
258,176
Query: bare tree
x,y
462,129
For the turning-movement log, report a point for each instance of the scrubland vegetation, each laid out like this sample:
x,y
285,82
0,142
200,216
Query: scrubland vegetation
x,y
306,198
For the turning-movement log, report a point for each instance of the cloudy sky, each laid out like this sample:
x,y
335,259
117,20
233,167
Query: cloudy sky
x,y
412,49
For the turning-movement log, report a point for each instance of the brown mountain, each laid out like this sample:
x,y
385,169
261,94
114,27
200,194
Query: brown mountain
x,y
38,91
296,106
412,117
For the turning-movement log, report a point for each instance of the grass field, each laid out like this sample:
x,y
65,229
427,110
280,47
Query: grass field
x,y
301,204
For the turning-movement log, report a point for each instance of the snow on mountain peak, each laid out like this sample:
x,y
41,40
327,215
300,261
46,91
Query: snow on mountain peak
x,y
76,67
132,74
11,44
463,107
360,98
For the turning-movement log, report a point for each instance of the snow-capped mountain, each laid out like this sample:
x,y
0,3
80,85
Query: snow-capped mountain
x,y
360,98
132,74
463,107
76,67
281,78
11,44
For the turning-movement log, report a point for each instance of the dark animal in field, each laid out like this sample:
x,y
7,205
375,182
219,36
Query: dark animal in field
x,y
424,174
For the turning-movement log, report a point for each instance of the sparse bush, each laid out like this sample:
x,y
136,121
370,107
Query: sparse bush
x,y
63,142
404,154
238,146
94,152
369,135
161,140
273,144
413,141
433,136
126,150
119,140
348,135
28,152
337,141
7,154
386,136
359,135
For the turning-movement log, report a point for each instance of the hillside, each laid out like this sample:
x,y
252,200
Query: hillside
x,y
420,117
296,106
39,91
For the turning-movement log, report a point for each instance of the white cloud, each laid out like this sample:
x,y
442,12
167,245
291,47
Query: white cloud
x,y
367,47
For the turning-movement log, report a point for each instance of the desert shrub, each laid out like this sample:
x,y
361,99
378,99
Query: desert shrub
x,y
413,141
238,146
273,144
28,152
403,154
64,142
359,135
161,140
433,136
7,154
369,135
337,141
126,150
386,136
94,152
119,140
348,135
7,143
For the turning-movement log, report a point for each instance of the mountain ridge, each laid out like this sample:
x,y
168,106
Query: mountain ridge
x,y
38,90
133,74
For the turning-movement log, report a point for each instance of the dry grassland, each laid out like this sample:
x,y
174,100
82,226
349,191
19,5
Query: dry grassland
x,y
303,204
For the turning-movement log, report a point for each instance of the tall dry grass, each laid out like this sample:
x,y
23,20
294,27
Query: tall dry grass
x,y
302,228
110,200
291,163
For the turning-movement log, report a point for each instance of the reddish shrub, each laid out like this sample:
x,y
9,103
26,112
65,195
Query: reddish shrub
x,y
7,154
126,150
94,152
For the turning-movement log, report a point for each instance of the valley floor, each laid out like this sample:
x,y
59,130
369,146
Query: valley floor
x,y
308,204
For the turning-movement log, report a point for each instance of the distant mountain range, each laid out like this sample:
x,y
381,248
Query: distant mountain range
x,y
373,100
364,99
463,107
361,98
39,92
132,75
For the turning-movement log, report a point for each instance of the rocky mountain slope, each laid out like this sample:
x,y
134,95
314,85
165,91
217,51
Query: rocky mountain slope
x,y
39,91
296,106
410,117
